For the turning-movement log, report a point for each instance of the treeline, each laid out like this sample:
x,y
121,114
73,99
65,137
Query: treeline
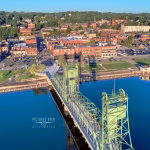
x,y
8,32
55,19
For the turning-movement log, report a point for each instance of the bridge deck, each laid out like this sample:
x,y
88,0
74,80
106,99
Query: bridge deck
x,y
86,132
76,120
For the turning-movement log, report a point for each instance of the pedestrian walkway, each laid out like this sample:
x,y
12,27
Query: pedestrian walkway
x,y
52,69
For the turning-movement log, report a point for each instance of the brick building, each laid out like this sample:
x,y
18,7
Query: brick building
x,y
96,39
31,41
31,49
64,27
31,25
92,24
66,41
106,33
86,50
25,31
73,32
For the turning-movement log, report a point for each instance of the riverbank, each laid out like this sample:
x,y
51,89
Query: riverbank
x,y
109,75
27,84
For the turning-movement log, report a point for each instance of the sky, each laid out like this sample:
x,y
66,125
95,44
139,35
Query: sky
x,y
119,6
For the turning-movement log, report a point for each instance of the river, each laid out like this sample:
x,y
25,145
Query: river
x,y
29,120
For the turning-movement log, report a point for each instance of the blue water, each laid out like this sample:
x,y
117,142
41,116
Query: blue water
x,y
139,105
17,109
17,129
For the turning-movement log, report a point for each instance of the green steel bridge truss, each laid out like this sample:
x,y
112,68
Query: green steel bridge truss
x,y
106,130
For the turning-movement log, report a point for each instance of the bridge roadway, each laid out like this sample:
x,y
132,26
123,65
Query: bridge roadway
x,y
90,133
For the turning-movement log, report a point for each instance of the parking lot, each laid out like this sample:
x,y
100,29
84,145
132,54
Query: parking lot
x,y
133,52
98,60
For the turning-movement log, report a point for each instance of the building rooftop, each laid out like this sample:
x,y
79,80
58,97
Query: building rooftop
x,y
20,44
101,44
32,46
4,45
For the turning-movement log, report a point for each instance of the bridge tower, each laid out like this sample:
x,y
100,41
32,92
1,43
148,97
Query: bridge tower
x,y
70,79
115,122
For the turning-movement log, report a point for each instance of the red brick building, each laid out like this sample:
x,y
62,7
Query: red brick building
x,y
68,41
143,39
73,32
31,49
31,25
87,51
111,23
31,41
96,39
25,31
108,33
93,24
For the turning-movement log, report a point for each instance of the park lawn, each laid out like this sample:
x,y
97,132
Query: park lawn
x,y
117,65
5,75
92,67
145,61
27,76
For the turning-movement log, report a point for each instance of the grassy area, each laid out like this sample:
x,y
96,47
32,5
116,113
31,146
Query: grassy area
x,y
145,61
117,65
5,75
92,67
27,76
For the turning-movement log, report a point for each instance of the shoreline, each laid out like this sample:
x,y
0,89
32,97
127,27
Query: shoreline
x,y
43,80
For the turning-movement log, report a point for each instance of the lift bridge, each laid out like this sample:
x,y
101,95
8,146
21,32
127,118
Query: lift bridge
x,y
106,130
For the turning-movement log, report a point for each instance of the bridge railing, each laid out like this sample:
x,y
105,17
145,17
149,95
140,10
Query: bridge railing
x,y
85,111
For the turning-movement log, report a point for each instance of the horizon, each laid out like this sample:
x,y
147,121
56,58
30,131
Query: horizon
x,y
128,6
73,11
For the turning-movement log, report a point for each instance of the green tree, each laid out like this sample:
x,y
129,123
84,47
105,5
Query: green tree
x,y
146,42
76,29
36,68
80,27
61,60
104,26
82,32
68,31
2,75
45,35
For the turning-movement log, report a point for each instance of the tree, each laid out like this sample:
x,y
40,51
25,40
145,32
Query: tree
x,y
76,29
45,35
61,60
82,32
36,68
80,27
146,42
104,26
2,75
68,31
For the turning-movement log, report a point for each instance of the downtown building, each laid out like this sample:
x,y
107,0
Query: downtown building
x,y
96,50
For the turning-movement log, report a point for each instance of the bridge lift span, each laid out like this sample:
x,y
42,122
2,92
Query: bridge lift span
x,y
108,130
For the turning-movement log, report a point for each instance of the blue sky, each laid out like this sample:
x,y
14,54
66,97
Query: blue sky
x,y
133,6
